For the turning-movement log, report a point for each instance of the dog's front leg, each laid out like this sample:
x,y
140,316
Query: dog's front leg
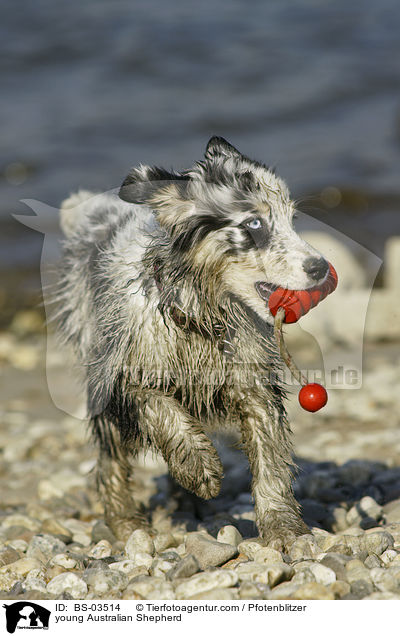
x,y
265,436
122,512
191,457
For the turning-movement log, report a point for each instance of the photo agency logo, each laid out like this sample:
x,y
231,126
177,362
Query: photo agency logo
x,y
326,343
26,615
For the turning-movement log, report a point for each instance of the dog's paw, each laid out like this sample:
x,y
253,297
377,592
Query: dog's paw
x,y
122,527
209,488
199,473
280,533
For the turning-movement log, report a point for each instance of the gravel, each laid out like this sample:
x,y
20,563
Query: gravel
x,y
67,583
231,535
139,543
322,573
184,569
54,542
209,552
206,581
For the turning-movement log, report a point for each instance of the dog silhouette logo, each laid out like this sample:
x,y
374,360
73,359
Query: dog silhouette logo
x,y
26,615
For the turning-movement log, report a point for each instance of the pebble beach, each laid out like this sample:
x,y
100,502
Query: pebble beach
x,y
90,89
54,543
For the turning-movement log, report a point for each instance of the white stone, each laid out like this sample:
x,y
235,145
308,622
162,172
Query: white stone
x,y
283,591
207,551
386,580
356,571
139,541
34,584
366,507
151,588
303,576
127,566
36,573
229,534
18,544
21,567
271,574
75,526
249,548
101,550
105,581
141,558
160,567
378,542
268,555
204,581
7,580
45,546
181,550
163,541
304,547
68,582
82,538
389,555
63,560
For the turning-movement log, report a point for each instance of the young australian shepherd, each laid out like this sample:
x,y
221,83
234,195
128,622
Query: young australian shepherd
x,y
164,295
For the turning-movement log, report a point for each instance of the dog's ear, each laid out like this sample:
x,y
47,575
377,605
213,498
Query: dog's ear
x,y
218,147
143,182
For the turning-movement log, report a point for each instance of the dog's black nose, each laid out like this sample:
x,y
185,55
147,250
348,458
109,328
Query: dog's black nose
x,y
316,268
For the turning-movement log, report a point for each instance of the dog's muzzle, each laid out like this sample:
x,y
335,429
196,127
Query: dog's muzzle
x,y
296,302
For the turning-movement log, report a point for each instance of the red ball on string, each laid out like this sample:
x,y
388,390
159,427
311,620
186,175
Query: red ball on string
x,y
313,397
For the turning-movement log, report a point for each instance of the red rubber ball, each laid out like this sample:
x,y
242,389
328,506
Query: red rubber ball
x,y
313,397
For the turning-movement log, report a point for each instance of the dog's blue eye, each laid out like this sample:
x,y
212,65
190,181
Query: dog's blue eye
x,y
255,224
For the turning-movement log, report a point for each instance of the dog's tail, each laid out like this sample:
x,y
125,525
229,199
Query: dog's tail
x,y
73,210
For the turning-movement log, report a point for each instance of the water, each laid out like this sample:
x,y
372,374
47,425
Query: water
x,y
91,88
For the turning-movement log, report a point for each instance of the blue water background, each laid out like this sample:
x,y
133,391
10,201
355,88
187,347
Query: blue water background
x,y
89,88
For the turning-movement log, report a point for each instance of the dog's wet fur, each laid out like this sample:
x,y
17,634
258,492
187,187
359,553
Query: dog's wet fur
x,y
164,295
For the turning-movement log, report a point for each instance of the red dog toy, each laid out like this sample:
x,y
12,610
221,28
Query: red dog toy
x,y
288,306
313,397
298,302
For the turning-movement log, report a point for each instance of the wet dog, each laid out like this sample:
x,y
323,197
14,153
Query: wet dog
x,y
164,293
